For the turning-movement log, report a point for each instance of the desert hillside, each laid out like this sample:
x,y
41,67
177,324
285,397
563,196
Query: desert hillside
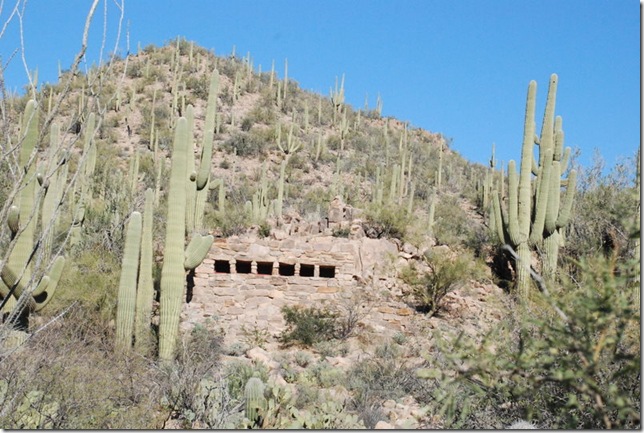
x,y
192,242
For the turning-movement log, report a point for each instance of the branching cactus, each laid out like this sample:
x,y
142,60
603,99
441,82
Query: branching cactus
x,y
18,263
177,258
22,219
199,179
535,210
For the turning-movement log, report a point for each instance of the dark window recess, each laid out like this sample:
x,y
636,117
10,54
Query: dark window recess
x,y
222,266
243,267
327,271
265,268
287,269
307,270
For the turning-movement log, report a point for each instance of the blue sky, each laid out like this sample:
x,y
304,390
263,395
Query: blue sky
x,y
459,67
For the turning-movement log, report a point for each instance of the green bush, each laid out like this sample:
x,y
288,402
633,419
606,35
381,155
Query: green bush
x,y
569,360
445,275
247,144
237,374
386,222
307,326
452,224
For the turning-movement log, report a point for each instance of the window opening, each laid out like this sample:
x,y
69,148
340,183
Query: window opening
x,y
243,267
265,268
222,266
307,270
287,269
327,271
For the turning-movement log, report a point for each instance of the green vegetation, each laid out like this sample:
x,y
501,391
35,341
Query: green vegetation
x,y
110,209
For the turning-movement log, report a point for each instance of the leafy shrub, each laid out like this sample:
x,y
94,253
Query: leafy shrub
x,y
302,358
452,225
386,222
233,221
445,275
308,326
198,85
238,373
376,379
255,336
569,360
246,144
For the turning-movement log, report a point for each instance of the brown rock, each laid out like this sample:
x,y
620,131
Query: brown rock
x,y
328,289
404,312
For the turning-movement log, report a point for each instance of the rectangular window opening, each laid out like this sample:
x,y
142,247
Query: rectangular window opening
x,y
287,269
307,270
222,266
265,268
243,267
327,271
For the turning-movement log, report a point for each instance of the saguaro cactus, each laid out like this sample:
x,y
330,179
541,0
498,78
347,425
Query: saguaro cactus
x,y
203,174
172,273
256,403
127,286
534,212
22,219
177,258
145,286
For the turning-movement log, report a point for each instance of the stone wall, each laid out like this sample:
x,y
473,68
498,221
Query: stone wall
x,y
245,281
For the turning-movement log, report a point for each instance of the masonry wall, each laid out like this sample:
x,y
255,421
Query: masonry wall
x,y
240,284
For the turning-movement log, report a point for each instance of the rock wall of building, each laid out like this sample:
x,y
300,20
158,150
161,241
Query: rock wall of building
x,y
245,281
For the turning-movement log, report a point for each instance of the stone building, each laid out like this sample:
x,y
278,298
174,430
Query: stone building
x,y
246,280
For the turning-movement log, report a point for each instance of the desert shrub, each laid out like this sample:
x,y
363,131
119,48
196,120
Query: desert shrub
x,y
199,85
341,232
324,375
262,113
233,221
198,357
452,225
604,201
246,144
255,336
303,358
445,275
237,374
378,378
135,69
386,222
308,326
318,326
73,366
569,360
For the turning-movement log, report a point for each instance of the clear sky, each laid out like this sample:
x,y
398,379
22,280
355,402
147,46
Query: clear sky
x,y
459,67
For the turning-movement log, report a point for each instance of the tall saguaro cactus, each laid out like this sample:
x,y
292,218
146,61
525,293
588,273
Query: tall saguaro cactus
x,y
203,174
172,273
177,258
127,286
187,194
145,286
535,211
